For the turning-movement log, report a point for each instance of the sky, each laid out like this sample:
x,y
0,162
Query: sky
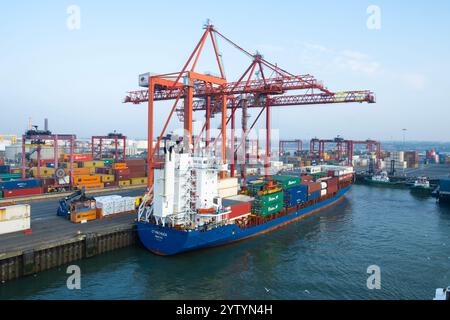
x,y
77,78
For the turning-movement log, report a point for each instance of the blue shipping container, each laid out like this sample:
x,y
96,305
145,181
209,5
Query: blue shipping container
x,y
20,184
444,185
4,169
295,195
50,165
314,195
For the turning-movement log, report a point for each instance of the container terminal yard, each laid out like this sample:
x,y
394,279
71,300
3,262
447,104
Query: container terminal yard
x,y
212,182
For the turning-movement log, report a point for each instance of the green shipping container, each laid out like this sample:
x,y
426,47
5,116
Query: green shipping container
x,y
1,194
287,182
268,210
10,176
268,199
108,162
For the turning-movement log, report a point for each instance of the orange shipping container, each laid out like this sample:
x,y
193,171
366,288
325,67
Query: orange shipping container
x,y
119,166
83,179
81,171
83,216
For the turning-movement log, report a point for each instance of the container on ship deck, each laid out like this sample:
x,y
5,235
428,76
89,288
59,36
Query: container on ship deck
x,y
313,187
22,192
306,178
240,205
333,185
268,210
295,195
269,198
286,181
20,184
315,195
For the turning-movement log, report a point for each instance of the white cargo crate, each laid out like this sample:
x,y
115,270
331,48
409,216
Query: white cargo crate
x,y
15,212
15,225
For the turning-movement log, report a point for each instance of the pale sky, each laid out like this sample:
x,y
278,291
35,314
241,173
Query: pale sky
x,y
78,78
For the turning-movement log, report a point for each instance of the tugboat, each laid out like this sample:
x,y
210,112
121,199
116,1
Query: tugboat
x,y
382,179
422,186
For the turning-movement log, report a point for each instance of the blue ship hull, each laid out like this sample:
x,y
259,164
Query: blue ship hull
x,y
168,241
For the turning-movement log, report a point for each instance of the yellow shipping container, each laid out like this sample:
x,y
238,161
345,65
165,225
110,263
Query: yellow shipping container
x,y
107,177
83,179
45,172
135,181
124,183
93,164
119,166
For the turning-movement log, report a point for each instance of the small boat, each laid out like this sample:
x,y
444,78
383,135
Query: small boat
x,y
381,179
422,186
442,294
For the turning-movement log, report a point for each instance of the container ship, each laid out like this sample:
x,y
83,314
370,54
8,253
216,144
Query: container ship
x,y
191,208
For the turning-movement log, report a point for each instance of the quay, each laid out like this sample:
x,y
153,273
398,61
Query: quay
x,y
55,241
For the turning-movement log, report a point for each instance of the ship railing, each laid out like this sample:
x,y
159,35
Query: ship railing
x,y
145,210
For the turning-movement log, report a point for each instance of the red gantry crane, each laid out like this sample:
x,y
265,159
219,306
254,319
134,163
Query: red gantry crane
x,y
263,85
345,147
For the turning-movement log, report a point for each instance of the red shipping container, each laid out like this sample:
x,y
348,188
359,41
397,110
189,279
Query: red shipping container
x,y
122,172
135,162
22,192
306,178
332,185
82,157
110,184
240,209
313,186
137,175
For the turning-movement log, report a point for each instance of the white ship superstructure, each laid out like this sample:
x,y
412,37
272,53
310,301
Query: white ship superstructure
x,y
186,191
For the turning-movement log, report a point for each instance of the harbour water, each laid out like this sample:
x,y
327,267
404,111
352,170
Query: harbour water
x,y
322,257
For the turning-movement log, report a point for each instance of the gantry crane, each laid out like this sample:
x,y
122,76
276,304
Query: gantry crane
x,y
345,147
263,85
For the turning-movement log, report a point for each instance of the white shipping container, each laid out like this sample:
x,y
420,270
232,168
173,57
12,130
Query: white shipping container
x,y
228,192
15,212
10,226
323,193
227,183
323,185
